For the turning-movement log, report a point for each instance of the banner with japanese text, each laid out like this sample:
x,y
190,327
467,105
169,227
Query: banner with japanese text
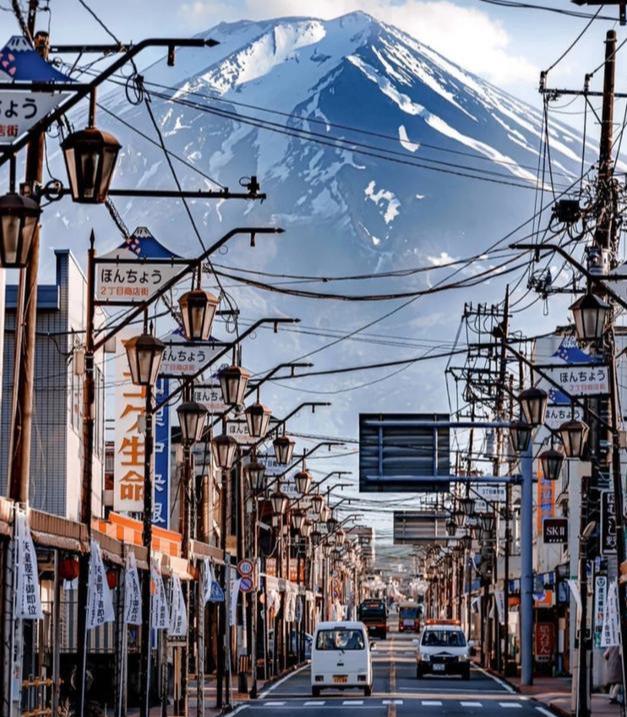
x,y
161,500
99,599
28,599
132,592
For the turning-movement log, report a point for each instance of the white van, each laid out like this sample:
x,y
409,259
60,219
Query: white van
x,y
340,657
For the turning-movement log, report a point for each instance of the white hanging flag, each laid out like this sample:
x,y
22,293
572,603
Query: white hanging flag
x,y
160,615
28,599
212,591
574,591
99,600
233,596
132,592
178,614
610,635
499,596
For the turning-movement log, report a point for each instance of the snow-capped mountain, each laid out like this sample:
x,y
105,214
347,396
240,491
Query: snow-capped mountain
x,y
362,137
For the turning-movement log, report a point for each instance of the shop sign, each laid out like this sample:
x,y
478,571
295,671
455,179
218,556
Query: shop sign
x,y
239,431
544,641
600,606
555,531
20,107
608,523
161,503
210,396
556,414
184,358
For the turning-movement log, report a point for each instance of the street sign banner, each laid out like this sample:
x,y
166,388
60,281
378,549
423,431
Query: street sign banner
x,y
581,379
136,270
99,598
27,593
161,482
404,452
558,414
183,358
608,523
555,531
21,107
210,396
132,592
239,431
600,606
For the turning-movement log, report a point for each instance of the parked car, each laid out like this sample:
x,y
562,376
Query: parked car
x,y
442,649
340,657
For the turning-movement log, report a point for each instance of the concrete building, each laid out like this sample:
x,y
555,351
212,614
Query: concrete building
x,y
56,447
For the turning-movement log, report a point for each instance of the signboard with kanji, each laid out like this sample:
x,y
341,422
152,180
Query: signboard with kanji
x,y
161,500
239,431
136,270
182,358
128,483
210,396
21,107
558,414
608,523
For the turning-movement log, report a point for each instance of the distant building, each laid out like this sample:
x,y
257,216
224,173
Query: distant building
x,y
56,446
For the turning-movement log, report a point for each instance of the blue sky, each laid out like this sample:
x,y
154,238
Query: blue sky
x,y
506,46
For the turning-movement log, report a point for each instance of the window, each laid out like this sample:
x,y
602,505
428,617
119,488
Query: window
x,y
408,613
443,638
340,639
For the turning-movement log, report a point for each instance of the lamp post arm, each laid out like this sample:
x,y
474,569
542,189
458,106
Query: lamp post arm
x,y
330,475
279,478
255,387
85,90
188,269
189,380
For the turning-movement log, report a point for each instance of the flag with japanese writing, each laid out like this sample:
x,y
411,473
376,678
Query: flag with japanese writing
x,y
178,613
99,599
212,591
160,614
132,592
28,599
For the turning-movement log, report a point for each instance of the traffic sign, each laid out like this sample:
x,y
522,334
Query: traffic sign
x,y
245,568
246,585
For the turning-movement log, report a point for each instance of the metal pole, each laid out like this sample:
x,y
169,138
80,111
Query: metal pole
x,y
526,568
582,683
508,537
145,661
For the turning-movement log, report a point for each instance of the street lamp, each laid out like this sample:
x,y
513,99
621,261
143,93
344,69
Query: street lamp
x,y
574,435
283,449
258,419
466,505
487,521
466,542
459,518
591,314
256,475
340,537
302,480
533,402
306,528
332,524
519,436
298,518
18,221
551,461
316,537
317,501
224,447
90,157
198,309
279,501
233,382
144,355
192,417
451,527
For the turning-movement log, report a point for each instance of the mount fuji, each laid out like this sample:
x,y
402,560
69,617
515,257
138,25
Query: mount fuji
x,y
377,154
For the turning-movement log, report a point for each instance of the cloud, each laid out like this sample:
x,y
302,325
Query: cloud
x,y
465,35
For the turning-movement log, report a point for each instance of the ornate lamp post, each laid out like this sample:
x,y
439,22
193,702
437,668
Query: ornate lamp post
x,y
283,449
551,461
18,221
198,309
574,435
144,354
591,314
258,419
90,158
533,402
233,382
520,436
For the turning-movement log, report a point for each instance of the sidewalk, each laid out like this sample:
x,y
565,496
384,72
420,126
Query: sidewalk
x,y
554,692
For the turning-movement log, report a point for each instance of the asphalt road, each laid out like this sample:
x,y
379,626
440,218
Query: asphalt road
x,y
396,692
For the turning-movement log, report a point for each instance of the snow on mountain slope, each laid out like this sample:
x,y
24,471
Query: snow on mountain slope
x,y
392,194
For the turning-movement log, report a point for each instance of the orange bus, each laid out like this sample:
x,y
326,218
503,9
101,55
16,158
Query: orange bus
x,y
373,613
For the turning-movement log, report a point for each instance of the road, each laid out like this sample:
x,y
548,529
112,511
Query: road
x,y
396,692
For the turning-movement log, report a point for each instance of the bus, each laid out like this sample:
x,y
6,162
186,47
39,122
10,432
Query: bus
x,y
409,614
374,615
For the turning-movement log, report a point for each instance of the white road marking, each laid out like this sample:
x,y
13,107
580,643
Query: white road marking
x,y
499,681
353,702
281,681
391,702
470,704
314,703
431,703
271,703
510,704
545,712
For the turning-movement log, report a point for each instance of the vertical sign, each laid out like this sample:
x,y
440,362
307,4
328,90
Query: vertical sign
x,y
545,501
600,606
161,512
608,523
130,404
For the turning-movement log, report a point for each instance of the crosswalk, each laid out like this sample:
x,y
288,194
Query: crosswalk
x,y
470,704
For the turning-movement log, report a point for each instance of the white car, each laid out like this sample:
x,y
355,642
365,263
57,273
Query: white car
x,y
340,657
442,649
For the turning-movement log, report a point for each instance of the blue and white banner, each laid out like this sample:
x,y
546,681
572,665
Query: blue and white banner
x,y
99,600
161,504
160,614
132,592
178,612
28,600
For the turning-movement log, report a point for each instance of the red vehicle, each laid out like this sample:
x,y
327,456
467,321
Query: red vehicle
x,y
409,617
373,614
